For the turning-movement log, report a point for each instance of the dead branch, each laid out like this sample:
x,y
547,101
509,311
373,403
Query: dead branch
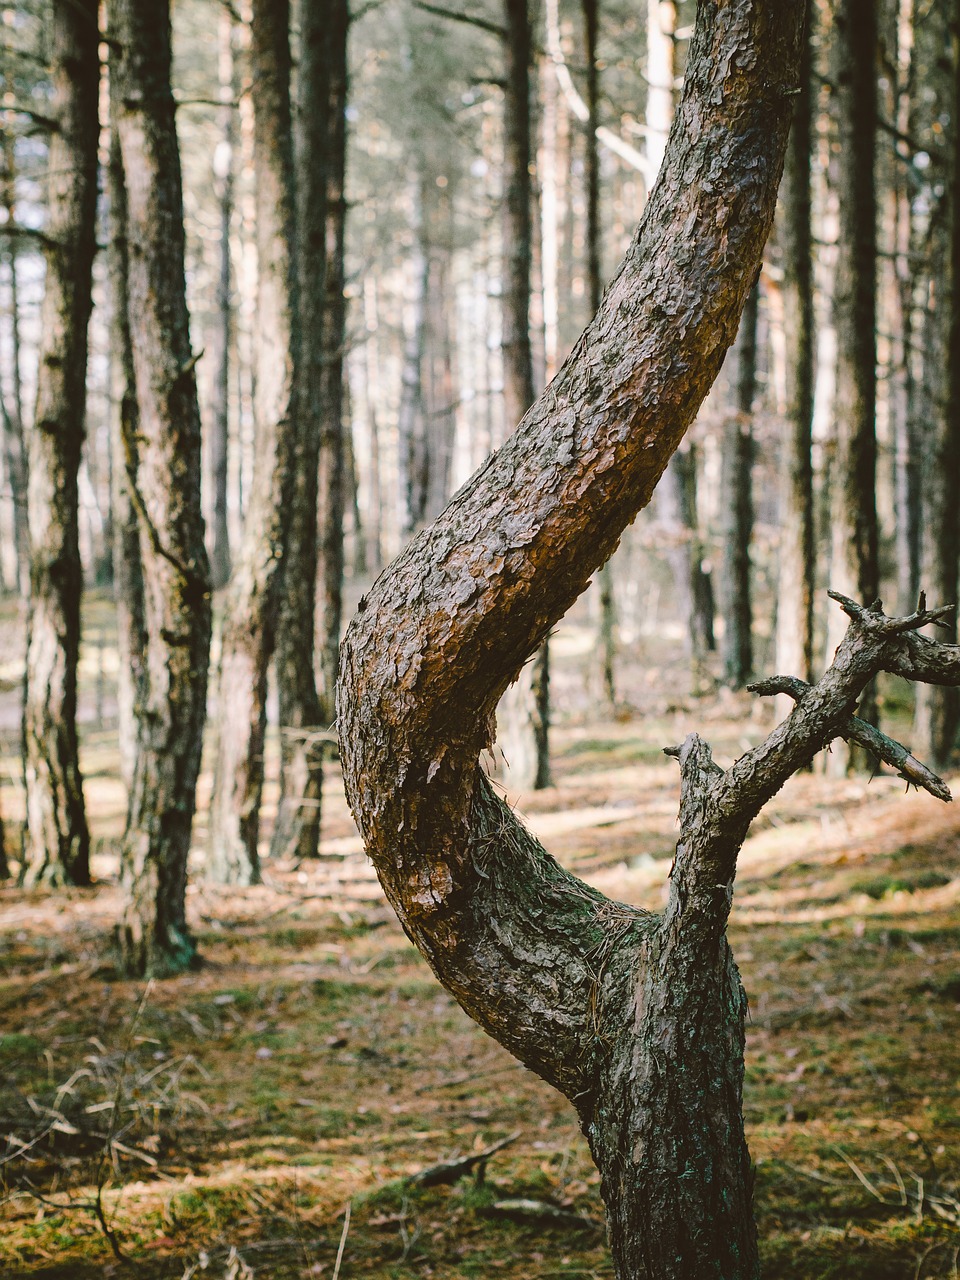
x,y
450,1171
539,1211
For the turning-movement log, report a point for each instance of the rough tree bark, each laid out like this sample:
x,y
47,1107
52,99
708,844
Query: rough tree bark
x,y
854,567
320,144
171,697
14,450
637,1019
591,21
737,503
56,840
224,168
524,714
797,568
938,709
250,623
128,569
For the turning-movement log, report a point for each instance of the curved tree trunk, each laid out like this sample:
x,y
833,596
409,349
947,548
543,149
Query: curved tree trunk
x,y
165,490
249,627
637,1019
57,842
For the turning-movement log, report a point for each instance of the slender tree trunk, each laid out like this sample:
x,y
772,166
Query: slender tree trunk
x,y
938,709
224,166
636,1018
411,425
524,714
15,454
331,467
250,624
797,575
57,842
4,864
590,10
303,717
854,568
374,521
165,489
128,589
737,505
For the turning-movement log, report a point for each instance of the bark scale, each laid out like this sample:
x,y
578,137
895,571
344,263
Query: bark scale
x,y
567,980
165,489
250,623
56,840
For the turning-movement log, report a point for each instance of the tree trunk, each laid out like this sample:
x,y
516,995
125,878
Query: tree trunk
x,y
319,158
638,1020
15,455
938,709
128,569
853,515
411,425
171,697
737,505
524,714
250,623
56,841
331,482
591,21
796,579
224,167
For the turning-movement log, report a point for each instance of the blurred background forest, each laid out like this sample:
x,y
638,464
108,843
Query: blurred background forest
x,y
395,222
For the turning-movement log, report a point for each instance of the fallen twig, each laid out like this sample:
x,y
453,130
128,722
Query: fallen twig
x,y
450,1171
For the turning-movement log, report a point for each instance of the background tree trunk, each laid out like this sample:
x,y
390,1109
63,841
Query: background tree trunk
x,y
249,628
57,842
14,448
128,569
524,713
938,708
219,443
854,568
737,504
320,171
796,579
171,698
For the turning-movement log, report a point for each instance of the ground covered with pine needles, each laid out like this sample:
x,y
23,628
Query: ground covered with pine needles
x,y
268,1115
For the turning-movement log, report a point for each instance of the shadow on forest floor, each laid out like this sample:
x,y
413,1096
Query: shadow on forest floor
x,y
220,1123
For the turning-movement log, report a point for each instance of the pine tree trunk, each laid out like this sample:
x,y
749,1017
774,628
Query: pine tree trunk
x,y
411,426
171,697
250,623
15,454
219,445
321,104
331,478
737,506
57,842
128,569
637,1019
796,579
938,709
524,713
854,568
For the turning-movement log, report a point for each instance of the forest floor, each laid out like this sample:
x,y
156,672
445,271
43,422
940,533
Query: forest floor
x,y
220,1124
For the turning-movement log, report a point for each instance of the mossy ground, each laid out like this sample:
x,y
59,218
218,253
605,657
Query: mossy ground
x,y
229,1116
